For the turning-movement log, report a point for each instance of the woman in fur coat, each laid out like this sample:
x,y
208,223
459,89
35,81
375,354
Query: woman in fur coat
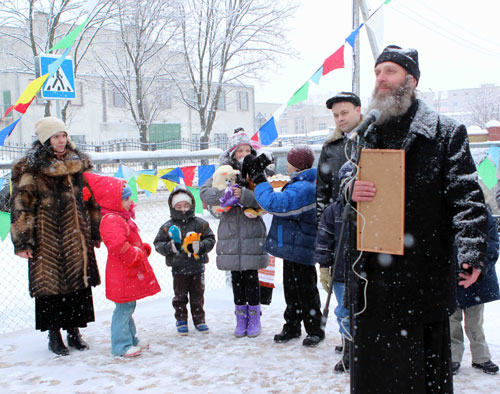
x,y
56,230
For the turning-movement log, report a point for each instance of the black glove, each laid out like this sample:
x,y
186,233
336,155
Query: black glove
x,y
254,167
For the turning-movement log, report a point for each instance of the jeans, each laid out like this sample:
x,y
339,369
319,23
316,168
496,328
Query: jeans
x,y
123,328
340,311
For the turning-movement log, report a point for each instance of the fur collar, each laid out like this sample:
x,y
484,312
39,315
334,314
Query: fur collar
x,y
40,159
337,135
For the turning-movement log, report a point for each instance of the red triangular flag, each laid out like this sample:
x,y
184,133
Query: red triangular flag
x,y
188,174
334,61
255,137
21,108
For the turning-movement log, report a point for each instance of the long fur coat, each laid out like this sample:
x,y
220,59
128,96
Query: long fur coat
x,y
50,218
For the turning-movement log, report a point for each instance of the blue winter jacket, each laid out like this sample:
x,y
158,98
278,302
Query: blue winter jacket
x,y
486,288
293,229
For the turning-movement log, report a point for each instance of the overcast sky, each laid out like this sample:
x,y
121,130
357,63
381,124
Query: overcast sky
x,y
458,44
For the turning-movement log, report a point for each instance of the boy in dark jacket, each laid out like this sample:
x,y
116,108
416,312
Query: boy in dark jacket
x,y
291,237
185,241
326,243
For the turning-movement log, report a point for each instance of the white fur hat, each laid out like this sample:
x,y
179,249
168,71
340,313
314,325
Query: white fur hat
x,y
49,126
181,196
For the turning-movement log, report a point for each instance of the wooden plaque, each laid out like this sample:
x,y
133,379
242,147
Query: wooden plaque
x,y
383,230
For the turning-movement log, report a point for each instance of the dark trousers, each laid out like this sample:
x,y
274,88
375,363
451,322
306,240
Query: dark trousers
x,y
246,287
302,298
391,357
194,287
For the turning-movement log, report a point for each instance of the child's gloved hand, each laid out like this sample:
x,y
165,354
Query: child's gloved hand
x,y
176,246
147,247
194,248
325,278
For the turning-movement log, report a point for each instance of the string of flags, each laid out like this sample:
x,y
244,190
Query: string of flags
x,y
268,132
488,167
30,92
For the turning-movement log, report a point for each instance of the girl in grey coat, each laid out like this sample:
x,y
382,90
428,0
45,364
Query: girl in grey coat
x,y
240,240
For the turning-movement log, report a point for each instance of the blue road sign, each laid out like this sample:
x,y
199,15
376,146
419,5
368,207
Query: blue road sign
x,y
62,84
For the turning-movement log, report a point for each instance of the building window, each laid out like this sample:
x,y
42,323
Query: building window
x,y
260,120
300,125
78,139
283,130
322,126
221,104
6,103
242,101
118,99
166,101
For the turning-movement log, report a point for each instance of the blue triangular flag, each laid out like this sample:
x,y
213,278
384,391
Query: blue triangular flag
x,y
352,37
148,172
173,175
6,132
119,173
268,132
205,172
317,75
494,153
52,68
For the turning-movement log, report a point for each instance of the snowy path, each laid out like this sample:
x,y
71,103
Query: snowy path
x,y
199,363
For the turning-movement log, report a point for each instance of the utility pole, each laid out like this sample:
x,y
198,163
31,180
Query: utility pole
x,y
355,52
358,5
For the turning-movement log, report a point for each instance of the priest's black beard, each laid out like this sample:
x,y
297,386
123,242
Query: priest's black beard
x,y
393,104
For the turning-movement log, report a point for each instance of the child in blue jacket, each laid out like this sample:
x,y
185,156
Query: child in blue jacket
x,y
292,237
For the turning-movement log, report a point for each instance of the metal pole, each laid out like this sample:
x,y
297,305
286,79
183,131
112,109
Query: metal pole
x,y
371,37
355,53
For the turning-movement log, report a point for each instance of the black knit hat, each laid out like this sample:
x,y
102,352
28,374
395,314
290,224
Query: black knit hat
x,y
406,58
343,97
301,157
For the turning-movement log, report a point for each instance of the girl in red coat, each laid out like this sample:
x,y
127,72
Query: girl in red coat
x,y
129,277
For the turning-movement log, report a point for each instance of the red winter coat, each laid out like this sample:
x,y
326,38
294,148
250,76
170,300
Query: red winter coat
x,y
129,276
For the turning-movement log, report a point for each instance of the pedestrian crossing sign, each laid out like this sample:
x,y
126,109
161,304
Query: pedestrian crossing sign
x,y
61,85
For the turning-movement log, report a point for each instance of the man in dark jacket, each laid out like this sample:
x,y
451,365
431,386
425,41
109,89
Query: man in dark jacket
x,y
402,303
471,309
346,110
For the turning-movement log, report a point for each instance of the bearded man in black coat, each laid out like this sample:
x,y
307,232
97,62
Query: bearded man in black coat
x,y
402,337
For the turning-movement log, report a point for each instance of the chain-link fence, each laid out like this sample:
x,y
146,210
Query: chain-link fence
x,y
17,308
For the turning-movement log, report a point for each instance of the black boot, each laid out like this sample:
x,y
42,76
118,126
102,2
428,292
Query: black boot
x,y
343,365
56,343
75,339
287,334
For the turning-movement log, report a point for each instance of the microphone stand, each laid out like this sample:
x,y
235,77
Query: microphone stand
x,y
347,216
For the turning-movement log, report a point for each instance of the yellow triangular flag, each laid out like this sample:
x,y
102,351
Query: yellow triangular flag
x,y
32,89
148,182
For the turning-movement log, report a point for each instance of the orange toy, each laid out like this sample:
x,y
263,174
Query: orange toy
x,y
188,240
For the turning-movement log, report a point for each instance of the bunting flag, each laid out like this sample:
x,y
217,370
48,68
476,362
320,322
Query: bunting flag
x,y
268,132
148,182
7,131
352,37
488,173
494,152
317,75
69,40
198,207
334,61
173,175
205,172
4,224
300,95
126,173
255,137
28,95
170,185
53,67
133,186
188,173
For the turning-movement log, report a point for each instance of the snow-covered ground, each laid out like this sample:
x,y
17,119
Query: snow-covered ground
x,y
216,362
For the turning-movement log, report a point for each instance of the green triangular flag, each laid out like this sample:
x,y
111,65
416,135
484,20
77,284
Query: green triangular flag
x,y
68,40
299,95
4,224
387,1
197,200
133,186
488,173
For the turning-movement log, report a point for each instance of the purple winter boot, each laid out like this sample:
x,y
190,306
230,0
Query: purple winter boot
x,y
254,326
241,312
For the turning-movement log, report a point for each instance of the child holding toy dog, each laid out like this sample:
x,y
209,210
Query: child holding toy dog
x,y
185,241
240,239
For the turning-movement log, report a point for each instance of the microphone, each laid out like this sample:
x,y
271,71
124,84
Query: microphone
x,y
372,117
